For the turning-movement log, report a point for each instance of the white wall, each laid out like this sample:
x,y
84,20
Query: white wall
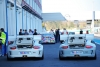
x,y
2,15
32,21
24,19
11,21
28,21
19,20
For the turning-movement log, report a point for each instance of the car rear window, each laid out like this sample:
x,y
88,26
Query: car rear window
x,y
48,35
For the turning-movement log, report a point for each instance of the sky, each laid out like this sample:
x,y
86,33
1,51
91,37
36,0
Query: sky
x,y
76,9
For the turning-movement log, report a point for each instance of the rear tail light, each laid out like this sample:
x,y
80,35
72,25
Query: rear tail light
x,y
36,47
64,47
13,48
10,42
66,32
88,46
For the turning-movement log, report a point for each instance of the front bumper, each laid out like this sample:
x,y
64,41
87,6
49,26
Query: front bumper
x,y
18,54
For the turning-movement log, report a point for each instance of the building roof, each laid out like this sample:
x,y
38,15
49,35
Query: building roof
x,y
53,17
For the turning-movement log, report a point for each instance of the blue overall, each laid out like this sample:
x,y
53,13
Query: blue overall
x,y
5,46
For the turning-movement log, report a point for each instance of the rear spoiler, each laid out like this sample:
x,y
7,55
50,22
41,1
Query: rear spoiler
x,y
87,36
37,37
25,36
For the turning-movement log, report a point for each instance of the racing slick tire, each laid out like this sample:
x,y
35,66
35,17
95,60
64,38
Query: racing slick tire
x,y
60,58
95,57
8,59
42,57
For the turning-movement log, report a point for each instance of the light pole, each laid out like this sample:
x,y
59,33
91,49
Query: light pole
x,y
15,15
67,17
93,18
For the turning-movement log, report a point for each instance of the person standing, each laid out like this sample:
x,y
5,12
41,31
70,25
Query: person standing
x,y
65,31
3,41
5,46
26,33
57,35
30,32
35,32
23,32
20,33
52,32
81,31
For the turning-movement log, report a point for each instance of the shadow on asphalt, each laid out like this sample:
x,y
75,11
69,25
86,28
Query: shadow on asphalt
x,y
25,59
76,59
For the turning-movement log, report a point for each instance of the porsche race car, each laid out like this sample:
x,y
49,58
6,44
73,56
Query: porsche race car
x,y
48,38
78,45
25,46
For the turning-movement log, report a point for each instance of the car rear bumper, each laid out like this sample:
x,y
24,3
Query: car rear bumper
x,y
17,54
85,53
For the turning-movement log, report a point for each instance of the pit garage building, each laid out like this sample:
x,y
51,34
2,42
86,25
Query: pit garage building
x,y
23,14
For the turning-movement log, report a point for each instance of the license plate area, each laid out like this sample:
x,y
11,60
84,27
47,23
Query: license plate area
x,y
77,52
24,52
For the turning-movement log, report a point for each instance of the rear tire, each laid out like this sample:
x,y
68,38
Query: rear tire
x,y
8,59
60,58
42,57
95,57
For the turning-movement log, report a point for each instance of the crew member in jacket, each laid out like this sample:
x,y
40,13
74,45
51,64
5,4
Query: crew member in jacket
x,y
5,46
81,31
2,41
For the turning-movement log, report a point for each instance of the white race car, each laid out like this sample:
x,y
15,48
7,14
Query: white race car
x,y
25,46
48,38
78,45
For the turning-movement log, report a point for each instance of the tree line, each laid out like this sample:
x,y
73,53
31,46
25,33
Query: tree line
x,y
66,24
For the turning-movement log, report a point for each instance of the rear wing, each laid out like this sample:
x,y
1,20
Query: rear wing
x,y
37,37
87,36
24,36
